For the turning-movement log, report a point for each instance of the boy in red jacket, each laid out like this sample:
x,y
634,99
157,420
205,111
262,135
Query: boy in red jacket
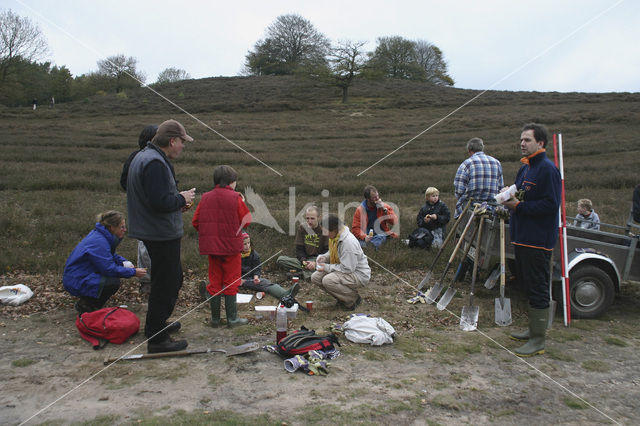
x,y
219,220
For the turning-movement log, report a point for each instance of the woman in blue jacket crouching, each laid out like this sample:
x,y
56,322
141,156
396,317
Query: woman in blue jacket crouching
x,y
93,270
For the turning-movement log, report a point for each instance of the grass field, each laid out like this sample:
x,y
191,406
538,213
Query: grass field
x,y
60,167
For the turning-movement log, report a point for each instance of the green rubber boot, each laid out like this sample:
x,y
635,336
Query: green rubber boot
x,y
279,293
521,336
232,312
214,302
538,321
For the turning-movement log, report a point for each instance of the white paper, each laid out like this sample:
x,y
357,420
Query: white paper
x,y
243,298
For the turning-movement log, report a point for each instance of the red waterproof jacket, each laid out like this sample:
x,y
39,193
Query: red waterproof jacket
x,y
219,219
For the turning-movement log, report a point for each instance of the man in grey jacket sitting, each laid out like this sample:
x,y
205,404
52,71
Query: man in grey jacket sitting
x,y
344,268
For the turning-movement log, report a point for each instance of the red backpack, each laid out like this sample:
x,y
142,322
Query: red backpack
x,y
113,325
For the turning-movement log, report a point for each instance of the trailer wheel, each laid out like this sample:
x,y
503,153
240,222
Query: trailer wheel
x,y
592,291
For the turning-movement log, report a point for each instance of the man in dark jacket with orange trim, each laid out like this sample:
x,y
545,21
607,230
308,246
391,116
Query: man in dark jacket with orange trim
x,y
534,231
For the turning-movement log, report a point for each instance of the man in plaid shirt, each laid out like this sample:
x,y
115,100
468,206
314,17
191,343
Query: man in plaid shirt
x,y
478,177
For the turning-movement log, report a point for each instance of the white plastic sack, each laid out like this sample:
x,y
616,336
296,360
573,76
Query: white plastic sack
x,y
15,294
361,329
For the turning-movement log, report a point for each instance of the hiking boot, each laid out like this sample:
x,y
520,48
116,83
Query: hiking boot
x,y
354,306
167,345
173,327
85,304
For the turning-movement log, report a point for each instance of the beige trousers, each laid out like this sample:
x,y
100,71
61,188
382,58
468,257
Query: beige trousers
x,y
344,287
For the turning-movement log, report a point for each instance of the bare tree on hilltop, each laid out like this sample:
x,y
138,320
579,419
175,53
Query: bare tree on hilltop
x,y
122,70
347,61
172,75
291,42
19,40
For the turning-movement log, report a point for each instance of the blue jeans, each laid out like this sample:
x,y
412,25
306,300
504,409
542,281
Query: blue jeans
x,y
377,240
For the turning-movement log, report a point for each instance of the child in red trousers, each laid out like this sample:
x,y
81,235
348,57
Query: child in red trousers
x,y
219,219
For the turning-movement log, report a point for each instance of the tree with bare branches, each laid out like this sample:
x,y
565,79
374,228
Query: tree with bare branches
x,y
122,70
347,60
19,39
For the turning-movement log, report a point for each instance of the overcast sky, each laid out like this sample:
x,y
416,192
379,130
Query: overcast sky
x,y
546,45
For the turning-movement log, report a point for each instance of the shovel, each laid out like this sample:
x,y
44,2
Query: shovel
x,y
552,303
469,315
452,231
451,291
434,291
502,304
233,350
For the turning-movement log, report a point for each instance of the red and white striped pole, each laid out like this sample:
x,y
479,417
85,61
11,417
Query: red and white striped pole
x,y
562,228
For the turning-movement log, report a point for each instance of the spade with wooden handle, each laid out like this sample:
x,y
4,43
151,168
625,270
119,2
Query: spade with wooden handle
x,y
233,350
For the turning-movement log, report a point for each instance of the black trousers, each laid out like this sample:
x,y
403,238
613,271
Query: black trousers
x,y
532,272
166,281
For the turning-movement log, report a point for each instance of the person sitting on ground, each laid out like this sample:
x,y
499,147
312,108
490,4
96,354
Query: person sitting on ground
x,y
434,216
252,270
373,220
310,242
344,268
93,270
144,261
219,219
586,218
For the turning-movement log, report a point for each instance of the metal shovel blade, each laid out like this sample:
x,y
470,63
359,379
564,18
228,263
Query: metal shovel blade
x,y
492,279
242,349
424,281
503,311
469,318
446,298
552,313
434,292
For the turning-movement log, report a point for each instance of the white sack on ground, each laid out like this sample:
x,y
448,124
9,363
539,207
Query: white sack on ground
x,y
15,295
376,331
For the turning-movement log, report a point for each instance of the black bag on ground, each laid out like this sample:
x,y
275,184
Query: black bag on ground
x,y
302,341
421,238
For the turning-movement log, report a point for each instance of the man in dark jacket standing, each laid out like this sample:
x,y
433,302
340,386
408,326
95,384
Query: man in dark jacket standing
x,y
534,231
155,209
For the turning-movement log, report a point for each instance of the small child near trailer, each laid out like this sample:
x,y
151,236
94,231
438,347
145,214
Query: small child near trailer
x,y
586,218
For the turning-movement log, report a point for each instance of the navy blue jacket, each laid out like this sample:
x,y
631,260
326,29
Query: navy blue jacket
x,y
92,259
534,222
440,209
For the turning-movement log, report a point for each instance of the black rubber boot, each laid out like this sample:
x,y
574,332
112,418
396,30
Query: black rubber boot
x,y
214,302
232,312
538,321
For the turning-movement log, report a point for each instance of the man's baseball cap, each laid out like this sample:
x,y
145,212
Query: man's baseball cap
x,y
173,129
